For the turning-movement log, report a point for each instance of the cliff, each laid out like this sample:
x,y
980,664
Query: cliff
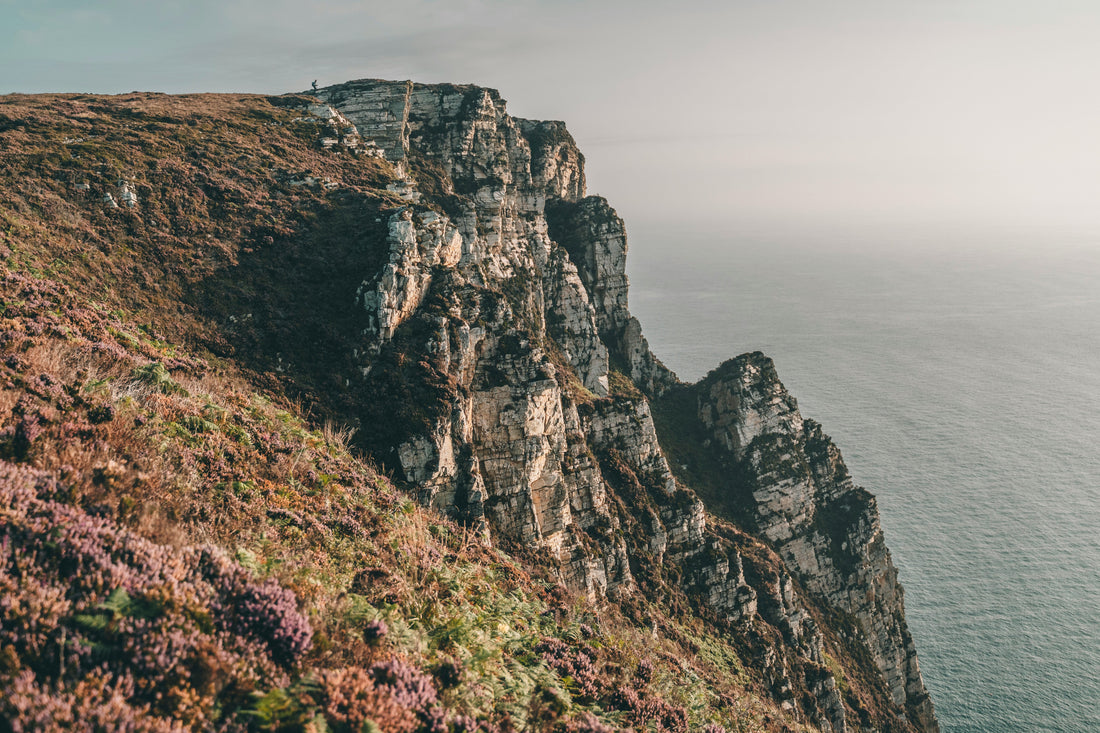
x,y
519,225
411,261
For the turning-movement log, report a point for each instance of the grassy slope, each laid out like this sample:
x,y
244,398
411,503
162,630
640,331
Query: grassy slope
x,y
155,417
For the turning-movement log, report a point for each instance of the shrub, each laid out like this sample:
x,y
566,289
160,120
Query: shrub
x,y
410,687
100,624
576,663
375,630
16,439
155,375
351,698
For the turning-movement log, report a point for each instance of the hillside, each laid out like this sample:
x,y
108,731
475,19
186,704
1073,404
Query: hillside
x,y
329,413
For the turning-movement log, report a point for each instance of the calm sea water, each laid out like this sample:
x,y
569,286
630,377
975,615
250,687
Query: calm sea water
x,y
962,384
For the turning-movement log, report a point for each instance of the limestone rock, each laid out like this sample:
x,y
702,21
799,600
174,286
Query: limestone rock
x,y
723,585
557,166
418,243
340,131
595,237
824,526
571,322
506,287
379,111
744,400
126,194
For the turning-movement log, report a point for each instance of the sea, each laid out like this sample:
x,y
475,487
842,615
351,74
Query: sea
x,y
960,378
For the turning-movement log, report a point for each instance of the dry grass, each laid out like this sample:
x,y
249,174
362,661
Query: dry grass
x,y
337,437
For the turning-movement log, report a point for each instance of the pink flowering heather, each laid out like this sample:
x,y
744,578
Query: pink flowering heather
x,y
410,687
650,711
98,701
100,624
375,630
644,675
265,611
577,662
351,698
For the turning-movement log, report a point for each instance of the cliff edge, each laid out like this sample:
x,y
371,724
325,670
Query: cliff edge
x,y
239,332
546,385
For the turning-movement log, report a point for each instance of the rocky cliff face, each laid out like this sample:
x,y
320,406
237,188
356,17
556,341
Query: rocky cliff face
x,y
824,526
503,304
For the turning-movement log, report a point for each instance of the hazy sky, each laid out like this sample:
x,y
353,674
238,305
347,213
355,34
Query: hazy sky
x,y
899,117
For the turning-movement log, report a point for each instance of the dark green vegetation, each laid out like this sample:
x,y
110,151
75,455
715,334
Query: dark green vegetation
x,y
686,440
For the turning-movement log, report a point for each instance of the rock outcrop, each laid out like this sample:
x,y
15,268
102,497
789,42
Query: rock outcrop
x,y
824,526
504,304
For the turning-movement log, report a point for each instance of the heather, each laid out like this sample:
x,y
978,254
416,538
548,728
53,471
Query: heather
x,y
142,630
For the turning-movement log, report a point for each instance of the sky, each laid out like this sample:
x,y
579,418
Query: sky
x,y
876,118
